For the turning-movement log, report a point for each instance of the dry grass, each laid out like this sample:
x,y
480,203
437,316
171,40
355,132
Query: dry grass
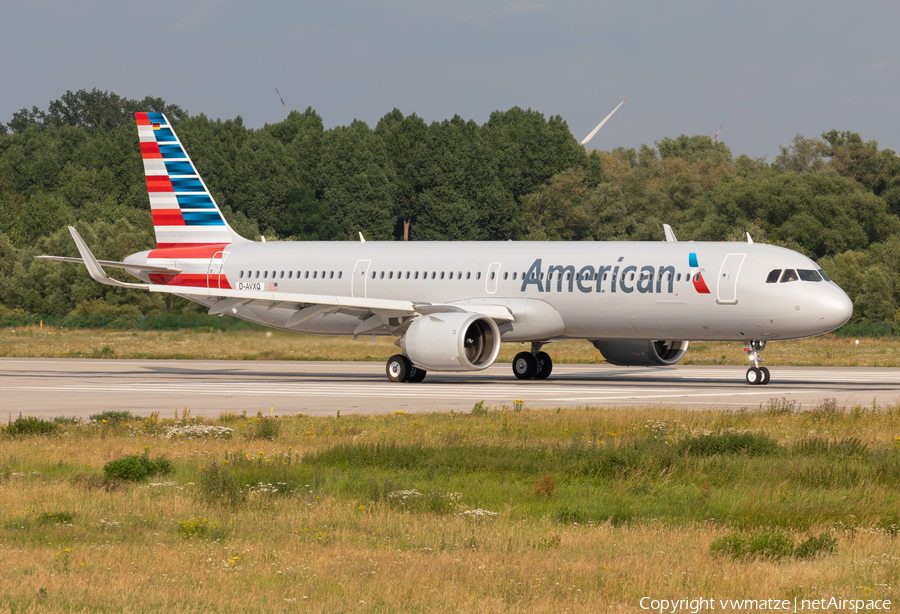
x,y
324,550
827,350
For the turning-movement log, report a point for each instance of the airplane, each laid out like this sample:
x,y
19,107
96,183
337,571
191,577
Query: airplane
x,y
451,304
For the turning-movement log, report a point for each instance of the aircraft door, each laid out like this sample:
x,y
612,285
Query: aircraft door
x,y
728,275
360,275
493,276
214,271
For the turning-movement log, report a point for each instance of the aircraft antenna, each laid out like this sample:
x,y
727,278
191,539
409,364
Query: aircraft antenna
x,y
600,125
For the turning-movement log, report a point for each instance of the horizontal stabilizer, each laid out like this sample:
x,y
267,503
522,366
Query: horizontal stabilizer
x,y
149,268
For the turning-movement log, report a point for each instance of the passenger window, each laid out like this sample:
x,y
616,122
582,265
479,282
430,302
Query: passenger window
x,y
678,277
478,275
265,274
242,275
407,275
433,275
789,275
391,275
459,275
382,275
451,274
808,275
469,275
417,275
442,275
340,274
315,274
542,277
331,275
568,275
506,276
773,276
493,274
631,277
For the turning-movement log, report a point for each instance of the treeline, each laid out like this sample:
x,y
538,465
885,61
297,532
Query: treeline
x,y
518,176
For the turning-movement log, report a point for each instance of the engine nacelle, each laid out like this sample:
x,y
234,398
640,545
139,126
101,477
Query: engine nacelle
x,y
455,341
639,353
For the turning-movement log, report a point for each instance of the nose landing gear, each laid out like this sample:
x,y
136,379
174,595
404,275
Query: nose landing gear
x,y
756,375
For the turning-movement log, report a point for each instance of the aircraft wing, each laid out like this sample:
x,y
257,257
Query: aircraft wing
x,y
307,306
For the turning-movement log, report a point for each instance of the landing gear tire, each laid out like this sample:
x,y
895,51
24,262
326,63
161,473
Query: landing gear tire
x,y
765,376
544,366
754,376
417,375
398,368
525,365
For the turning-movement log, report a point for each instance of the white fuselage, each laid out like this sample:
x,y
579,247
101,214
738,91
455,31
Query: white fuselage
x,y
585,290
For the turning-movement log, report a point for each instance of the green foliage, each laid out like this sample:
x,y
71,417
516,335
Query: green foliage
x,y
114,416
135,468
200,527
771,544
30,425
263,428
750,444
58,517
218,485
816,545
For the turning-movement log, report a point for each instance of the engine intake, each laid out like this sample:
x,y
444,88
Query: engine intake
x,y
640,353
455,341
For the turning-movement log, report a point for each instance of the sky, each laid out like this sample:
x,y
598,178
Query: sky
x,y
765,70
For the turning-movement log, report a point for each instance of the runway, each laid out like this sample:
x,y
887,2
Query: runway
x,y
81,387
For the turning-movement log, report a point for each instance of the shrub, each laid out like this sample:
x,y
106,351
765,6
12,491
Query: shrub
x,y
264,428
55,518
136,468
113,416
816,545
764,544
199,527
545,486
218,485
566,515
479,409
31,426
751,444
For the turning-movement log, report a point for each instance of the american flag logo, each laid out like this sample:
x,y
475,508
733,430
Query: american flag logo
x,y
273,285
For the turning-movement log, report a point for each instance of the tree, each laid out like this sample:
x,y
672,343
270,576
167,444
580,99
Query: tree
x,y
404,141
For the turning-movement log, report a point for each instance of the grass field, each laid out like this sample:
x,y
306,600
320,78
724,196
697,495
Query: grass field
x,y
827,350
483,511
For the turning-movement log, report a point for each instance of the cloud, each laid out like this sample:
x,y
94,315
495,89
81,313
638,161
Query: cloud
x,y
523,6
877,66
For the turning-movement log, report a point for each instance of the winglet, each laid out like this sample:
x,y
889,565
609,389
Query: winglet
x,y
362,239
94,268
749,240
670,235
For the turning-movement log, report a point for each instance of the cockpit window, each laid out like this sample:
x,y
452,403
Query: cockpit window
x,y
824,276
789,275
773,276
808,275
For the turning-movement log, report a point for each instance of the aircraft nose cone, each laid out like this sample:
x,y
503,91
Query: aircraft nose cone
x,y
837,308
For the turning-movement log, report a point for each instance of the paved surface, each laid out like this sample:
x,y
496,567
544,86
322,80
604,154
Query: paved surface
x,y
57,387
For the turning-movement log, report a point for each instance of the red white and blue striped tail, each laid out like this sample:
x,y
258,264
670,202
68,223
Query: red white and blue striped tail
x,y
184,212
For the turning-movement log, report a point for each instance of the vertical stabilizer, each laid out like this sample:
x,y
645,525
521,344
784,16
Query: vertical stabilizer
x,y
184,212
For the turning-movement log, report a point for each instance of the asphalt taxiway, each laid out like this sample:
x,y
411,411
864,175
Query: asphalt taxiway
x,y
81,387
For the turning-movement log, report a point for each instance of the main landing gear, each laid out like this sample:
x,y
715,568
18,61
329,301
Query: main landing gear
x,y
400,369
534,364
756,375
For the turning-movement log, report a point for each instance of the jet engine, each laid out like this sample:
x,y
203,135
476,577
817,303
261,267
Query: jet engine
x,y
453,341
639,353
